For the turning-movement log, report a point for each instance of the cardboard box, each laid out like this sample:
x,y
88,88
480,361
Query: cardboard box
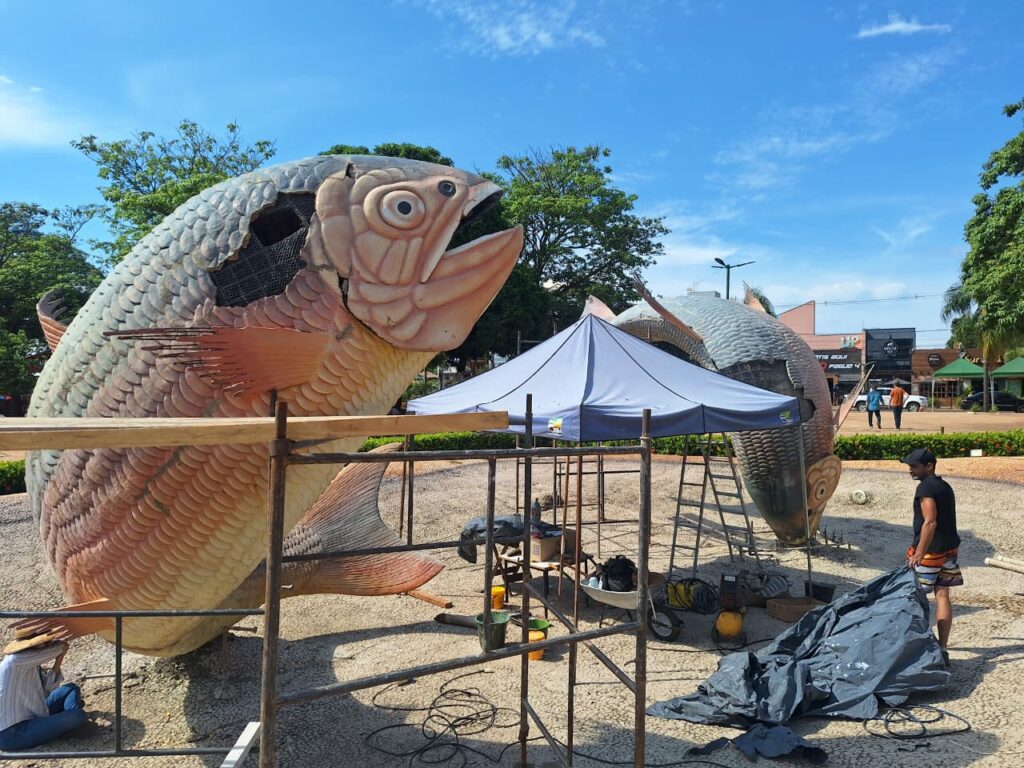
x,y
791,608
549,548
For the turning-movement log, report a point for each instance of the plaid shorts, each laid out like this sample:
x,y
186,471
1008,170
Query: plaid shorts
x,y
938,570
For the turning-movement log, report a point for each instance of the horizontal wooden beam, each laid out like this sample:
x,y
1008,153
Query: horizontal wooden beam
x,y
27,434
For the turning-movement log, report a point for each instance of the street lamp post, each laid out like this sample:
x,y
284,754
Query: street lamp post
x,y
728,271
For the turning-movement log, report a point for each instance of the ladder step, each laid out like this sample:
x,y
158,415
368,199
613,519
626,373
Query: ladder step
x,y
693,485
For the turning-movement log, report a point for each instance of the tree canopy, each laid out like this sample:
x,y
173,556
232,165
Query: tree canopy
x,y
409,151
38,253
147,176
992,272
986,305
582,235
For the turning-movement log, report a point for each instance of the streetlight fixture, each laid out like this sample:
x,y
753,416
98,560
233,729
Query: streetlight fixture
x,y
728,271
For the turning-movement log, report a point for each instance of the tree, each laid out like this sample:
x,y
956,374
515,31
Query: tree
x,y
988,300
148,176
393,149
581,233
37,254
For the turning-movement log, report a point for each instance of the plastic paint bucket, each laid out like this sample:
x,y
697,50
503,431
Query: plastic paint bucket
x,y
536,636
541,625
499,625
497,598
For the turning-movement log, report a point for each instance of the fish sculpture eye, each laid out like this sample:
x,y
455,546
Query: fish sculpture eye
x,y
270,259
402,209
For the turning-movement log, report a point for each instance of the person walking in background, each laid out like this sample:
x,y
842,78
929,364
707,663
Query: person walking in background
x,y
897,398
874,406
933,552
34,707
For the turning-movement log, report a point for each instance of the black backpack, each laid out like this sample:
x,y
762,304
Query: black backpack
x,y
619,574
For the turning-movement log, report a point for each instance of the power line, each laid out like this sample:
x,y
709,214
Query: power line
x,y
863,301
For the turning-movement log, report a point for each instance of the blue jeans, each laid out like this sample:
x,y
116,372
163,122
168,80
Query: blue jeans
x,y
67,712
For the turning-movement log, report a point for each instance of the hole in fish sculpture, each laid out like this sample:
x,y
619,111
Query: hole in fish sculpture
x,y
270,260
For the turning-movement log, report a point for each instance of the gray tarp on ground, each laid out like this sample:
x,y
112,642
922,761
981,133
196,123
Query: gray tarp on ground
x,y
837,661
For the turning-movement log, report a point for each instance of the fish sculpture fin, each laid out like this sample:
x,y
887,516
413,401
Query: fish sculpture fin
x,y
239,360
665,314
67,628
347,516
751,300
594,306
48,309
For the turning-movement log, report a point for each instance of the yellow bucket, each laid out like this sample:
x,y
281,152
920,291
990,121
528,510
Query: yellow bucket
x,y
497,598
536,635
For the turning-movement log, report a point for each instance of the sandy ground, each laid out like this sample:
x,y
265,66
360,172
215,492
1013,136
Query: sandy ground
x,y
932,421
204,699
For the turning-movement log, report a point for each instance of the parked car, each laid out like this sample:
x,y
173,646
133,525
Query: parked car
x,y
910,402
1004,401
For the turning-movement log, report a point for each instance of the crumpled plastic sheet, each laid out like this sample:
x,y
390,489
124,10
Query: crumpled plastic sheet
x,y
840,660
771,742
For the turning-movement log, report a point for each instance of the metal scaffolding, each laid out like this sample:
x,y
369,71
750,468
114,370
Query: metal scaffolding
x,y
284,453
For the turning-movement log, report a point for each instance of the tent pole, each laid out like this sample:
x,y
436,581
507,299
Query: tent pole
x,y
807,513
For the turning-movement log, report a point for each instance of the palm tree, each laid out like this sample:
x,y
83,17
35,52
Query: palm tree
x,y
968,326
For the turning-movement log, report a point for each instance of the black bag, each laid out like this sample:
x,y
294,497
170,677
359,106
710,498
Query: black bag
x,y
619,574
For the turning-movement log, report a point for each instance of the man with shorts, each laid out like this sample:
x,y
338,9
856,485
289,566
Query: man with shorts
x,y
933,553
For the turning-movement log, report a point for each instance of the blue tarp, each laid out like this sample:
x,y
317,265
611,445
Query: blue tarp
x,y
592,381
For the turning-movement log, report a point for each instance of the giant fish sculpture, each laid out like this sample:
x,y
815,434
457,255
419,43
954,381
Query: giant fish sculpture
x,y
328,280
746,343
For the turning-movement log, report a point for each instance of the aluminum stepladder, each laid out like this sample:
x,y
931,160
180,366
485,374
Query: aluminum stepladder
x,y
717,474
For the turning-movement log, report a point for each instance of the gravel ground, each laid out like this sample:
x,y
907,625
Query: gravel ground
x,y
206,698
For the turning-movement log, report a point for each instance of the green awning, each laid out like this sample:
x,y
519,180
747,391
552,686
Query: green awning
x,y
1012,370
959,369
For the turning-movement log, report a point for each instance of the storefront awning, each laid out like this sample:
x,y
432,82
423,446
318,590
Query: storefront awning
x,y
1012,370
959,369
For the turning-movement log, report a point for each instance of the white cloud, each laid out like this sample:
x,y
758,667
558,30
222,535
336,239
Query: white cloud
x,y
907,230
516,27
900,26
27,120
846,288
869,110
5,80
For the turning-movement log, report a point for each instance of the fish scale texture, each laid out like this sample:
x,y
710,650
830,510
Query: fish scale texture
x,y
175,527
734,334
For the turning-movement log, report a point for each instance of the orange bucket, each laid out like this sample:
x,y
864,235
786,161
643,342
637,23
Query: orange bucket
x,y
536,636
497,598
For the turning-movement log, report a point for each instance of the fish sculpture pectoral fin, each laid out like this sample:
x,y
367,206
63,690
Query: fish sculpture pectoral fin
x,y
247,359
68,628
347,516
48,309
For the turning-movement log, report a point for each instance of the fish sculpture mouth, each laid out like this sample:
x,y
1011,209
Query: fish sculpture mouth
x,y
421,290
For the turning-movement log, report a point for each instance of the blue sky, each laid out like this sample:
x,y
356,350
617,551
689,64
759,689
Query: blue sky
x,y
836,145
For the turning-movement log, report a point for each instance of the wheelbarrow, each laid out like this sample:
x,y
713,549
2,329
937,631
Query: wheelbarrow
x,y
661,620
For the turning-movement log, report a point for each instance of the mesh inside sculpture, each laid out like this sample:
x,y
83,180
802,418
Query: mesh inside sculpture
x,y
270,260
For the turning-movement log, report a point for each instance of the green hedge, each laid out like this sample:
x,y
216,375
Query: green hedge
x,y
12,477
893,446
449,441
853,447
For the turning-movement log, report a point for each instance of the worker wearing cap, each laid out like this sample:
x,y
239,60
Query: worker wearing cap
x,y
34,707
933,553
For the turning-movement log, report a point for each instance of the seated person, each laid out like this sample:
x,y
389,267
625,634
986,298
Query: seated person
x,y
34,707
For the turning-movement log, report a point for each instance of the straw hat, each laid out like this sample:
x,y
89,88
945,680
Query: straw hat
x,y
36,641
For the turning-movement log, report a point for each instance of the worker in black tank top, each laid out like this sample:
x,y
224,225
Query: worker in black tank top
x,y
934,550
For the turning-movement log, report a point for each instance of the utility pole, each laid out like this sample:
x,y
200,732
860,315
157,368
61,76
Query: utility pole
x,y
728,271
